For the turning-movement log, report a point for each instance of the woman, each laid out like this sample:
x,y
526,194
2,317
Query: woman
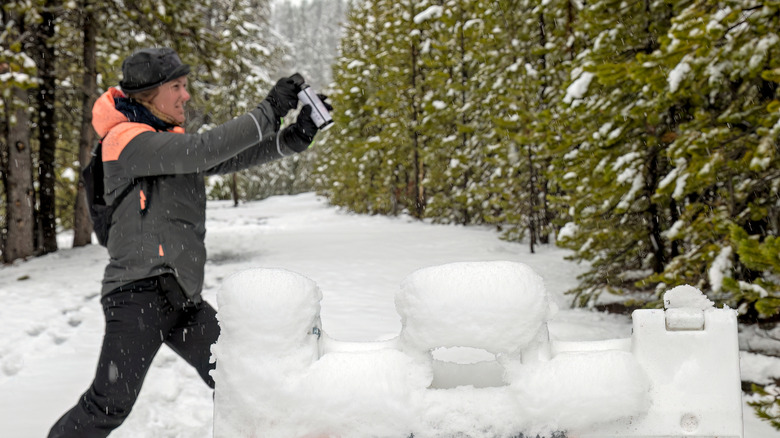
x,y
152,285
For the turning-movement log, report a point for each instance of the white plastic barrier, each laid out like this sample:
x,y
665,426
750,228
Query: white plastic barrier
x,y
691,354
280,375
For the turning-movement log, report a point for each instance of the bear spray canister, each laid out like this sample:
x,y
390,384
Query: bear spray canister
x,y
319,114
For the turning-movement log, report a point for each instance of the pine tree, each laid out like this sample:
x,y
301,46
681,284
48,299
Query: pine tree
x,y
380,77
542,41
725,58
407,139
340,175
618,157
458,110
505,72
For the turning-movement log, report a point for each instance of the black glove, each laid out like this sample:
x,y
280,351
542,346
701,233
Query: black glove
x,y
284,95
300,134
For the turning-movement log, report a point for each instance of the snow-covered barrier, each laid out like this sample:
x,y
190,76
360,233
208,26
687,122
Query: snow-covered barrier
x,y
473,359
690,352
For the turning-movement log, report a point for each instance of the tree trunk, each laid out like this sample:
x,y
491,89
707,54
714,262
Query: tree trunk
x,y
82,227
539,186
234,189
545,216
417,160
3,155
655,212
4,183
47,126
19,209
532,195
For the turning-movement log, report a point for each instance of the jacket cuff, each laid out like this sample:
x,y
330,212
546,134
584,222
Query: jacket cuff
x,y
285,145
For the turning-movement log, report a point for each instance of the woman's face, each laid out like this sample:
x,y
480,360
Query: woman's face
x,y
171,98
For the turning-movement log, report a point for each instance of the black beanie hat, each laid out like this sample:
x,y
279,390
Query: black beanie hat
x,y
150,68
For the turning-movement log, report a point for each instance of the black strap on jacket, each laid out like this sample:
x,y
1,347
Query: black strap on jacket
x,y
99,212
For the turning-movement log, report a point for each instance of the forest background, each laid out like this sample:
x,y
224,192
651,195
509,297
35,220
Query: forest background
x,y
642,135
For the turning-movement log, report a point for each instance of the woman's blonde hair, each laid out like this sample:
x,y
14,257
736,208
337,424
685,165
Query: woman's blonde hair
x,y
145,96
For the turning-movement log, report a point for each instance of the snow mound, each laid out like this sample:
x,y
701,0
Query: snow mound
x,y
496,306
687,297
576,390
470,413
273,307
266,343
371,393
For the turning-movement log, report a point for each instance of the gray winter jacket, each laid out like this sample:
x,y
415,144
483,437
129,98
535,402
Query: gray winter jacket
x,y
159,227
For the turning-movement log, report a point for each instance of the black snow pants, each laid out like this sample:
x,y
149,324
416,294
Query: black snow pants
x,y
139,319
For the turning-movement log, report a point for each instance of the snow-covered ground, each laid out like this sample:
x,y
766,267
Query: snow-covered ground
x,y
51,322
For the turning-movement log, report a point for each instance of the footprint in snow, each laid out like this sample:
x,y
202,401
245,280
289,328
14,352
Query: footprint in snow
x,y
58,338
12,364
36,330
